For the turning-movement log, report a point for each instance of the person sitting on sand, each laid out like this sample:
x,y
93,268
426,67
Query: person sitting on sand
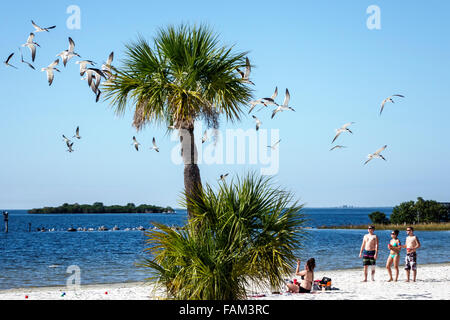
x,y
394,256
412,244
307,276
369,252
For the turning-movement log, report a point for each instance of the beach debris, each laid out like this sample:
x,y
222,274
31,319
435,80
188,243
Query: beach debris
x,y
285,106
389,99
344,128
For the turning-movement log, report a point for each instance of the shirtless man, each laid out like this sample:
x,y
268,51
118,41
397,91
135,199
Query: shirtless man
x,y
412,244
369,252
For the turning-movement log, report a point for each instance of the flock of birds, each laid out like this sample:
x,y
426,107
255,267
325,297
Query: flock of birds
x,y
94,77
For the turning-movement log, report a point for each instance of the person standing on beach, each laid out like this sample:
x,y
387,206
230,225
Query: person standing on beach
x,y
412,244
369,252
394,256
6,218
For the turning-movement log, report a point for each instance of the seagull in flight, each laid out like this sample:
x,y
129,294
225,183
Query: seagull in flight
x,y
254,103
246,76
39,29
285,105
66,140
23,61
8,60
271,101
223,177
83,66
77,134
376,155
50,73
341,130
66,55
337,147
258,123
70,145
155,147
274,147
136,144
389,99
107,67
31,45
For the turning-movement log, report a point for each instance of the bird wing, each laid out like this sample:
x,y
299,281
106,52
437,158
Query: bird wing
x,y
30,38
287,98
35,25
381,150
398,95
54,64
275,95
110,58
337,136
9,58
248,69
77,132
367,161
345,126
154,143
50,76
71,45
33,51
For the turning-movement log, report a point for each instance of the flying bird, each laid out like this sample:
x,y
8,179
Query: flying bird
x,y
25,62
344,128
70,145
83,66
50,71
66,140
389,99
337,147
254,103
258,123
77,134
66,55
223,177
155,147
32,46
248,69
274,147
107,66
136,144
271,101
376,155
8,60
285,105
39,29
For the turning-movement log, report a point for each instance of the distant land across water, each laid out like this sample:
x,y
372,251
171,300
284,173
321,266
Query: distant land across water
x,y
99,208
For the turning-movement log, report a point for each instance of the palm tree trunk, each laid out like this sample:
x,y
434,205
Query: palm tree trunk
x,y
192,179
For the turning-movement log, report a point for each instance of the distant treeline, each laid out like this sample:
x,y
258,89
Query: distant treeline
x,y
98,207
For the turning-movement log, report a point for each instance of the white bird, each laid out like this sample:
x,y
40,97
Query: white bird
x,y
66,140
254,103
376,155
155,147
344,128
389,99
285,105
39,29
246,76
94,86
274,147
66,55
271,101
25,62
8,60
337,147
136,143
77,134
258,123
50,73
107,66
223,177
83,66
94,73
31,45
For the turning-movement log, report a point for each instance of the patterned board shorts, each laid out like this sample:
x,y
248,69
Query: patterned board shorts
x,y
369,258
411,261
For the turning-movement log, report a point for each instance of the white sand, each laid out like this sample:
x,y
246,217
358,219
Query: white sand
x,y
433,284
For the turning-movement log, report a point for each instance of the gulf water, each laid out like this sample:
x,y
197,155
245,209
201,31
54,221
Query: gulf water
x,y
35,259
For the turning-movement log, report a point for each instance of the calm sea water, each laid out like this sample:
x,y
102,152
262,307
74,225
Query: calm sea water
x,y
41,259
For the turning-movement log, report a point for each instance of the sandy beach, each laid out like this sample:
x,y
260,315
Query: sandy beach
x,y
433,284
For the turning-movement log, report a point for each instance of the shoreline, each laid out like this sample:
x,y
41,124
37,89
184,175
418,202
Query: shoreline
x,y
433,283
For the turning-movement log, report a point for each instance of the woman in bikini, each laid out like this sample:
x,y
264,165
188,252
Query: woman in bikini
x,y
307,276
394,256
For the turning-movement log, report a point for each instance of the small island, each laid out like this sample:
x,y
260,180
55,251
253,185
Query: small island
x,y
99,208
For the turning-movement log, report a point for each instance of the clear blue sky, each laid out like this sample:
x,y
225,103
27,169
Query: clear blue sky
x,y
336,69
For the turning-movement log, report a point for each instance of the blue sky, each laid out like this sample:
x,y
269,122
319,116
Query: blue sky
x,y
336,69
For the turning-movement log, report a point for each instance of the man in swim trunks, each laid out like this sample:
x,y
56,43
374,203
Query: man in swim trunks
x,y
412,244
369,252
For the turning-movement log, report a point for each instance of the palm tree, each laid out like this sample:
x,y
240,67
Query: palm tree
x,y
247,232
184,77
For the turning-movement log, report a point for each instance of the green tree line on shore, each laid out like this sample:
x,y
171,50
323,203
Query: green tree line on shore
x,y
98,207
419,212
